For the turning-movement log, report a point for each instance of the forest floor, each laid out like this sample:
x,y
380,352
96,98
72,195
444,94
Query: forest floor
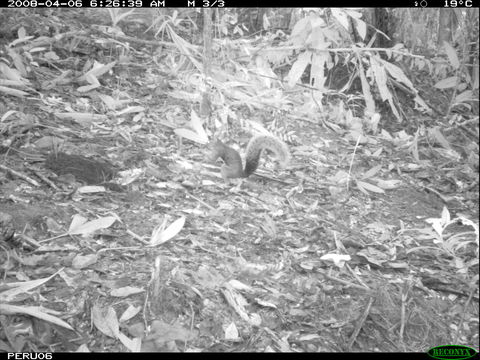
x,y
164,256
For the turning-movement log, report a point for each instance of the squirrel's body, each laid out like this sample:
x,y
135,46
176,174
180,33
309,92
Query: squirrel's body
x,y
232,167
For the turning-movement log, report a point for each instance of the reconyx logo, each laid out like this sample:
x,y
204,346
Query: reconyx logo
x,y
446,352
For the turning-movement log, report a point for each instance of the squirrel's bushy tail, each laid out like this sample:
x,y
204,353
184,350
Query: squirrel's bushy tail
x,y
259,143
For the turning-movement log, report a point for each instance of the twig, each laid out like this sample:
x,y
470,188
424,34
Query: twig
x,y
462,319
7,262
29,240
134,248
351,162
201,202
45,179
355,275
20,175
360,323
346,283
53,238
137,237
406,289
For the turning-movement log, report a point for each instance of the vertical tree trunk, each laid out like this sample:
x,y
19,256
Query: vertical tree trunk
x,y
447,22
205,104
207,41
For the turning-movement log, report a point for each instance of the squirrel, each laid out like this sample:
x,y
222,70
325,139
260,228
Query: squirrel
x,y
232,167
